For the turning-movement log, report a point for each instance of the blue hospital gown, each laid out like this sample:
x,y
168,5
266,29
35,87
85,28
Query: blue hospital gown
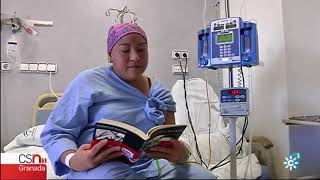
x,y
99,93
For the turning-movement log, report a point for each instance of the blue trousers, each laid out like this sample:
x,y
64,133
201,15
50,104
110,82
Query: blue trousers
x,y
117,170
114,170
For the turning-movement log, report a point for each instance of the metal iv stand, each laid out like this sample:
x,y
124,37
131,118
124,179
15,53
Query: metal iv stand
x,y
232,129
232,121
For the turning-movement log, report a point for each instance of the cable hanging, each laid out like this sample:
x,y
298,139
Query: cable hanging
x,y
121,13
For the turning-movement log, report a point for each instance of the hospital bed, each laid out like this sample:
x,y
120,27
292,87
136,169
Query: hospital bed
x,y
29,140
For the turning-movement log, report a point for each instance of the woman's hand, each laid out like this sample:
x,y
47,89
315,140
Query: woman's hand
x,y
177,152
86,158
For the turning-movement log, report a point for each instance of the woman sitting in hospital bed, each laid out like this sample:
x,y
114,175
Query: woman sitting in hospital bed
x,y
119,92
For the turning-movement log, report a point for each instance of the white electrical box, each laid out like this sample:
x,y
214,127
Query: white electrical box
x,y
52,68
184,55
176,69
40,67
175,54
33,67
24,67
179,54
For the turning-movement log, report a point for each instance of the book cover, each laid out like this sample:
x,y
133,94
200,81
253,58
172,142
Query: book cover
x,y
133,141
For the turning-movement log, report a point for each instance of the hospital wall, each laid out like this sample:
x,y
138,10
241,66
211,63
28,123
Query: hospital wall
x,y
303,62
286,83
77,41
303,56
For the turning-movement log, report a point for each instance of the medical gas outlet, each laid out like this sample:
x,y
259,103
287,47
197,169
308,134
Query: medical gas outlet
x,y
6,66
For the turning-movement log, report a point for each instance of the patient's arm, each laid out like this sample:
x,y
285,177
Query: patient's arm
x,y
87,157
177,153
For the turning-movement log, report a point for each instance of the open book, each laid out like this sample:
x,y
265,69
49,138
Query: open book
x,y
133,141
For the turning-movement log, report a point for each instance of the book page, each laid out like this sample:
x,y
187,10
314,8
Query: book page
x,y
167,130
162,135
125,126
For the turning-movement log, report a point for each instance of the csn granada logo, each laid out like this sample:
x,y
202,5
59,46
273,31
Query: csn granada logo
x,y
23,166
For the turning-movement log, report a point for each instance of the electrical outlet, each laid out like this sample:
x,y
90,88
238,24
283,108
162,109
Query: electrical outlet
x,y
33,67
176,54
184,55
5,66
39,67
24,67
42,67
176,69
52,68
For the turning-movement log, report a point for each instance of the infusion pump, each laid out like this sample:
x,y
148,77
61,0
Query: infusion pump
x,y
228,42
234,102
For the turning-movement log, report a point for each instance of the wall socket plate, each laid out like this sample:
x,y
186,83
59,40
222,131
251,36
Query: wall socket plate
x,y
38,67
184,54
6,66
179,54
175,54
176,69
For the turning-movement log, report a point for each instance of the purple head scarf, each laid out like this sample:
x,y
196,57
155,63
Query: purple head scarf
x,y
118,31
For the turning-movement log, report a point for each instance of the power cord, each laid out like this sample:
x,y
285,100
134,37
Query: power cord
x,y
209,121
189,118
244,128
50,87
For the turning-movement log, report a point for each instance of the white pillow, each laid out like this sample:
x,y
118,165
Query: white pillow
x,y
30,137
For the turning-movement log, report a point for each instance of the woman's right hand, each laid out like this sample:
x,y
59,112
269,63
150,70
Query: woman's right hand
x,y
86,158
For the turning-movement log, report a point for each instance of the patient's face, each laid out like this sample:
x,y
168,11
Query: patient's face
x,y
130,57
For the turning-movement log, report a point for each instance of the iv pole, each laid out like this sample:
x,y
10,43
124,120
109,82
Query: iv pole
x,y
232,120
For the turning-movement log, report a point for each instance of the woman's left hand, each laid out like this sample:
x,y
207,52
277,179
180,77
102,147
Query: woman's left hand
x,y
177,152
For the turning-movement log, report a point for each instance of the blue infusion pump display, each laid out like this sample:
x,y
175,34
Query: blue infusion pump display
x,y
228,42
